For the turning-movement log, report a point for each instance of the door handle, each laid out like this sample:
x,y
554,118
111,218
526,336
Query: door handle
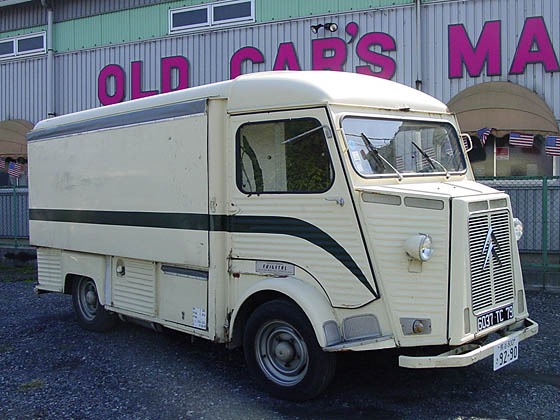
x,y
337,200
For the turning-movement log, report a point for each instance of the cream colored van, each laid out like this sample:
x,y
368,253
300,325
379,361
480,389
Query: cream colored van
x,y
296,214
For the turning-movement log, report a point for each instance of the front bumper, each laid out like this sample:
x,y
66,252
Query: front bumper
x,y
468,354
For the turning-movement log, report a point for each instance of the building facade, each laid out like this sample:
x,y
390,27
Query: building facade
x,y
494,62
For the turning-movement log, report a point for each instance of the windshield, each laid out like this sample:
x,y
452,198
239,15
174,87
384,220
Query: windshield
x,y
394,147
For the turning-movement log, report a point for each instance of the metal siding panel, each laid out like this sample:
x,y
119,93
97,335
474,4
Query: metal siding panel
x,y
7,224
22,95
23,31
22,16
209,53
473,14
115,27
64,38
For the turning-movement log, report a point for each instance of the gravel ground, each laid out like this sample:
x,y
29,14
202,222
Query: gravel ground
x,y
52,369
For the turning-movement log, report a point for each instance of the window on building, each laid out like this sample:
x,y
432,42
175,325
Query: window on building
x,y
6,48
189,19
210,15
511,160
232,12
23,45
283,156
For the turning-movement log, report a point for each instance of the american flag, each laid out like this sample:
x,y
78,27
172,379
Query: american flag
x,y
2,163
520,139
15,169
483,134
552,145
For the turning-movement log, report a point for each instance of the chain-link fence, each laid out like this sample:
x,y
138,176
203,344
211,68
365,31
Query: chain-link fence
x,y
14,216
536,202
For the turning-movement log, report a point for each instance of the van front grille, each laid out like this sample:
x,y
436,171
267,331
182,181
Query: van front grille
x,y
490,260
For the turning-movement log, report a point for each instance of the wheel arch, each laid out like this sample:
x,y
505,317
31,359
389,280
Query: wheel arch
x,y
78,264
311,301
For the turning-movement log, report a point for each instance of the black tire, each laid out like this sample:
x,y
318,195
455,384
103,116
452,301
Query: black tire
x,y
282,352
91,314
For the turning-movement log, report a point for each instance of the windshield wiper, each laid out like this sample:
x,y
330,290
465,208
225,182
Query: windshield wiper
x,y
430,160
378,156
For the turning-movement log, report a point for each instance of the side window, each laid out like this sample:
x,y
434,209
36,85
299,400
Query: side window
x,y
283,156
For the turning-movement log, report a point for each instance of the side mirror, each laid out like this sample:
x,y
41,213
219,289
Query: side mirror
x,y
467,141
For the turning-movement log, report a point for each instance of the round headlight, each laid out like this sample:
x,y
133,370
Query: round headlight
x,y
426,250
517,228
419,247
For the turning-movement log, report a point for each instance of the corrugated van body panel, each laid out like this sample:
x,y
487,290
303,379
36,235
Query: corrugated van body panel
x,y
136,289
49,263
411,294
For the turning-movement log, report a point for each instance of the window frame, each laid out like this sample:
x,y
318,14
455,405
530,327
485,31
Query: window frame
x,y
210,23
238,171
11,54
403,174
233,20
15,46
189,27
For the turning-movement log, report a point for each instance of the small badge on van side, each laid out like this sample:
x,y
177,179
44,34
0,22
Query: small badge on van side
x,y
276,268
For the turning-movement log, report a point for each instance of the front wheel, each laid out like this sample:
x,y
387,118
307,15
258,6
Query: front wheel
x,y
282,352
91,314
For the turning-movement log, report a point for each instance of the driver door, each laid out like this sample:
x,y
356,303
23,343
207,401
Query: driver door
x,y
290,203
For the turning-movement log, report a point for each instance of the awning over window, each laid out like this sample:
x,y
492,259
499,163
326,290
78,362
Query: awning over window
x,y
504,106
13,142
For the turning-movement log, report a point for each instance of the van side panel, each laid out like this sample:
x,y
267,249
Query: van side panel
x,y
136,191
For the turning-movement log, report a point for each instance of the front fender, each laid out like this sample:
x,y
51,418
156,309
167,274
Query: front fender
x,y
314,304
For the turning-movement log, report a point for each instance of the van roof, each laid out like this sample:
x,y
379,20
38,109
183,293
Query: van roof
x,y
276,90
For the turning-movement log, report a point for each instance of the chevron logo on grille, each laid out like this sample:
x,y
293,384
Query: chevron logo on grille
x,y
490,246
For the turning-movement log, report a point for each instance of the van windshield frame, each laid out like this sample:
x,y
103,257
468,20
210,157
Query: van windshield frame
x,y
414,147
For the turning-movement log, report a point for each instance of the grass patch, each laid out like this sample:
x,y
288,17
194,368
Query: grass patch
x,y
28,269
30,281
34,384
10,274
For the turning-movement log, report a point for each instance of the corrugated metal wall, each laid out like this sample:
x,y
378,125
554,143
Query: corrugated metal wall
x,y
23,94
473,14
7,225
33,14
209,54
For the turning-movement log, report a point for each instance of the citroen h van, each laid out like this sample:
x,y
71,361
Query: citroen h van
x,y
296,214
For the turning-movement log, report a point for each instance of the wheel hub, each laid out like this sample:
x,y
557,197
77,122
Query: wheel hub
x,y
281,352
284,352
91,298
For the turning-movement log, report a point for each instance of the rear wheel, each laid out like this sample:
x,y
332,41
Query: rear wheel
x,y
282,352
91,314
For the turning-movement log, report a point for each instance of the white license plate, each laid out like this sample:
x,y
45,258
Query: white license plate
x,y
506,353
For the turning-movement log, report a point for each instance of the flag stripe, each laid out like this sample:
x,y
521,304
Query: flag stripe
x,y
521,139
